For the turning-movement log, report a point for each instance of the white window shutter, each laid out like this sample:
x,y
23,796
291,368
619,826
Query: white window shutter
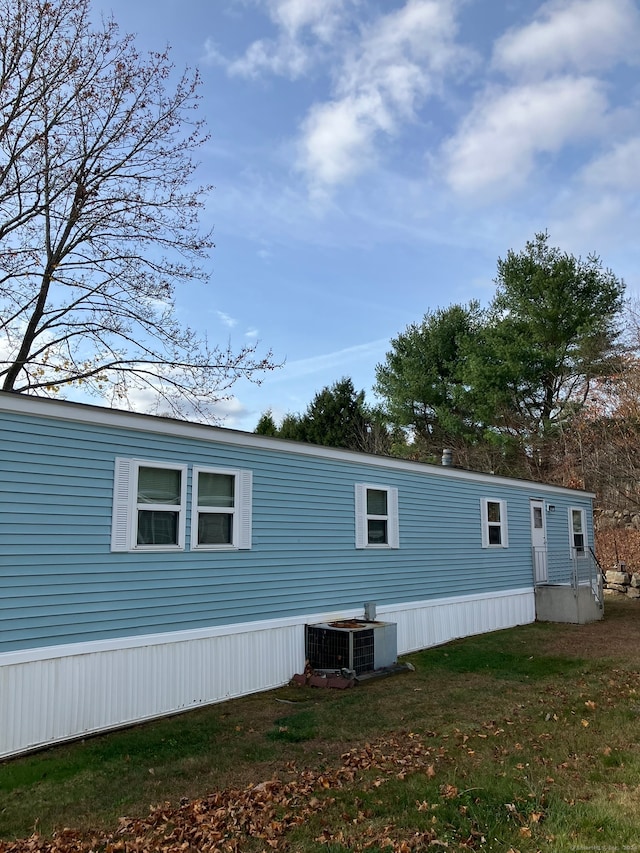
x,y
121,519
393,525
484,522
361,515
504,524
245,483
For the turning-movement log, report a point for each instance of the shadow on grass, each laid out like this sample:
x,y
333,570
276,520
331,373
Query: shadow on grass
x,y
149,745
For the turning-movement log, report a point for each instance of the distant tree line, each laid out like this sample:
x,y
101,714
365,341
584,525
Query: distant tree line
x,y
336,417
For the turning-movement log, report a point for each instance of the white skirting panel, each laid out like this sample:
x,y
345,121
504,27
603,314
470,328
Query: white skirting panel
x,y
58,698
55,694
431,623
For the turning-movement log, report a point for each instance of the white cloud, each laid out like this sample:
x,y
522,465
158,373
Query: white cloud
x,y
251,333
617,168
600,220
414,41
212,54
496,147
338,138
400,60
576,35
599,210
323,17
286,58
226,319
342,359
305,28
230,412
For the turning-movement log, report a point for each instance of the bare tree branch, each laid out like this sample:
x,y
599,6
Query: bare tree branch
x,y
99,215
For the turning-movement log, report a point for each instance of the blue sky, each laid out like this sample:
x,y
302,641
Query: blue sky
x,y
372,160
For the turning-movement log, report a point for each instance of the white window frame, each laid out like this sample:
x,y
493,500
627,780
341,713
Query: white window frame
x,y
486,524
124,526
241,510
583,523
362,518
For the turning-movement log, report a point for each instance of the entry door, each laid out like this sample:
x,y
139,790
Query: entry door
x,y
539,542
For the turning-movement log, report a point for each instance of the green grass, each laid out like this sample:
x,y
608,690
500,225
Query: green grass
x,y
295,728
486,656
507,741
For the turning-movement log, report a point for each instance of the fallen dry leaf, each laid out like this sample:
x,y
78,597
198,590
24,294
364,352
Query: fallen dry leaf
x,y
448,792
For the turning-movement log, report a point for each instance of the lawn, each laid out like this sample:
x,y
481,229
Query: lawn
x,y
520,740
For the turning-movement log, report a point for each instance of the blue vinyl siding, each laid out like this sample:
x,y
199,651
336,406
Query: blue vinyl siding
x,y
60,582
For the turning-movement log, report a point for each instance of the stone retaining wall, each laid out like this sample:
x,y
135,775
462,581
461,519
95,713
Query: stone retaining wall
x,y
617,546
608,519
622,583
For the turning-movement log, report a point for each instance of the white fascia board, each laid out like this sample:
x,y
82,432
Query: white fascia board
x,y
89,414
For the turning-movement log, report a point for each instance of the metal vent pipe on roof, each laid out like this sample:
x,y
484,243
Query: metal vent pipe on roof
x,y
447,457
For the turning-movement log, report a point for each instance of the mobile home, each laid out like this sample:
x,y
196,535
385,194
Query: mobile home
x,y
149,565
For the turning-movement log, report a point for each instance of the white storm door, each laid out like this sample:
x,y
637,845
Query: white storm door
x,y
539,542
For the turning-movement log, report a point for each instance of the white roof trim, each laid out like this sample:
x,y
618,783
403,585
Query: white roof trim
x,y
99,415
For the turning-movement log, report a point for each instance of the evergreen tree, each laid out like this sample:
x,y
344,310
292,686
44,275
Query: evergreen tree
x,y
500,386
336,417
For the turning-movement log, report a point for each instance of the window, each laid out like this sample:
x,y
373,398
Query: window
x,y
494,523
159,505
148,506
577,531
538,523
221,509
376,516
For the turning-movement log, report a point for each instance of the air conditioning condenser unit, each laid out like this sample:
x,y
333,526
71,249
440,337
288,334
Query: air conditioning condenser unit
x,y
354,644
